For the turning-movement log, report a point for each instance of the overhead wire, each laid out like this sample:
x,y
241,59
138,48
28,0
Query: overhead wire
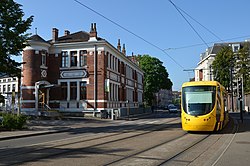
x,y
188,22
200,44
200,24
134,34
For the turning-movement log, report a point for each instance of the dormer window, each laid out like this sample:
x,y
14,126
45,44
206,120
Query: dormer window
x,y
235,47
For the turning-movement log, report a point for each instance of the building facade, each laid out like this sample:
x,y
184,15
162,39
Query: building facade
x,y
204,71
164,97
78,72
9,90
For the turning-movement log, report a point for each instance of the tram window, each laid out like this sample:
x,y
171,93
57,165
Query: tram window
x,y
198,100
218,92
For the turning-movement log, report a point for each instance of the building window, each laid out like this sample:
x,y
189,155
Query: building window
x,y
73,58
44,59
13,87
83,58
110,61
64,90
4,88
73,90
65,58
83,91
119,66
8,88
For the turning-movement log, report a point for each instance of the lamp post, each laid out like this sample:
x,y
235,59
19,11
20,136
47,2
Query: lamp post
x,y
128,108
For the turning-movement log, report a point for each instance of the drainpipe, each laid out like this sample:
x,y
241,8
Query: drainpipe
x,y
95,83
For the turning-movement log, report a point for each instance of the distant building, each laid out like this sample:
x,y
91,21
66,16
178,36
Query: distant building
x,y
8,89
176,95
204,71
164,97
79,72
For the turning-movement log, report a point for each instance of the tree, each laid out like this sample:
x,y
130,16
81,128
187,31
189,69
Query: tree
x,y
155,76
240,63
221,66
243,65
13,35
1,98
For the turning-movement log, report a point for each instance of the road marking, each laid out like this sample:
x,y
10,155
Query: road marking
x,y
227,145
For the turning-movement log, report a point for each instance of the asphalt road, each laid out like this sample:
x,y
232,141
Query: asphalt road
x,y
155,140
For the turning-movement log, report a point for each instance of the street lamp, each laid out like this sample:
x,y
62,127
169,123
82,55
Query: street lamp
x,y
127,108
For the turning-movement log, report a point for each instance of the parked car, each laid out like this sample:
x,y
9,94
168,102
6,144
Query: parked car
x,y
172,108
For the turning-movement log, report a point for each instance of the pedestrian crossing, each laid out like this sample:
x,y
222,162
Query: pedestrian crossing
x,y
145,121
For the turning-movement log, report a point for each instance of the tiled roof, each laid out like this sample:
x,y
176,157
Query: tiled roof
x,y
37,38
80,36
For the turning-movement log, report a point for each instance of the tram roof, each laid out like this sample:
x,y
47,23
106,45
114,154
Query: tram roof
x,y
200,83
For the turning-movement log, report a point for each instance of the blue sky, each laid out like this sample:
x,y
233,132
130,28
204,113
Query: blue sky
x,y
158,22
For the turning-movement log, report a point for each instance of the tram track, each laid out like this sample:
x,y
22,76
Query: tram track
x,y
150,148
92,142
184,151
151,156
208,146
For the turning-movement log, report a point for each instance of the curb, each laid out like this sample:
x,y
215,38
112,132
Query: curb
x,y
33,134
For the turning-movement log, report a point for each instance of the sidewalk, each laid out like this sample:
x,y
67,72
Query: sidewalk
x,y
40,127
238,151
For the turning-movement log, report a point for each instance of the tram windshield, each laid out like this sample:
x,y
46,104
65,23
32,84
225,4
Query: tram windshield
x,y
198,100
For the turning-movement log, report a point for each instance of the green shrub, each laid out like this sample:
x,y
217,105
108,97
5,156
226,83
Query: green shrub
x,y
12,121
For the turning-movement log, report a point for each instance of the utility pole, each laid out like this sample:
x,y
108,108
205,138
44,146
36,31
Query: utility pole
x,y
240,95
231,82
210,72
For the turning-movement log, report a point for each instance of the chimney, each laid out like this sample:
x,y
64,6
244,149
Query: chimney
x,y
54,34
66,33
93,32
119,45
123,49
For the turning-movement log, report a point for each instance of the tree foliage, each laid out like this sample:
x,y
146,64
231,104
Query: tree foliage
x,y
155,76
1,98
240,63
12,35
221,66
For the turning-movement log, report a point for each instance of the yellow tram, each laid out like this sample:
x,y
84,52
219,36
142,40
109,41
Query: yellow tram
x,y
203,106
